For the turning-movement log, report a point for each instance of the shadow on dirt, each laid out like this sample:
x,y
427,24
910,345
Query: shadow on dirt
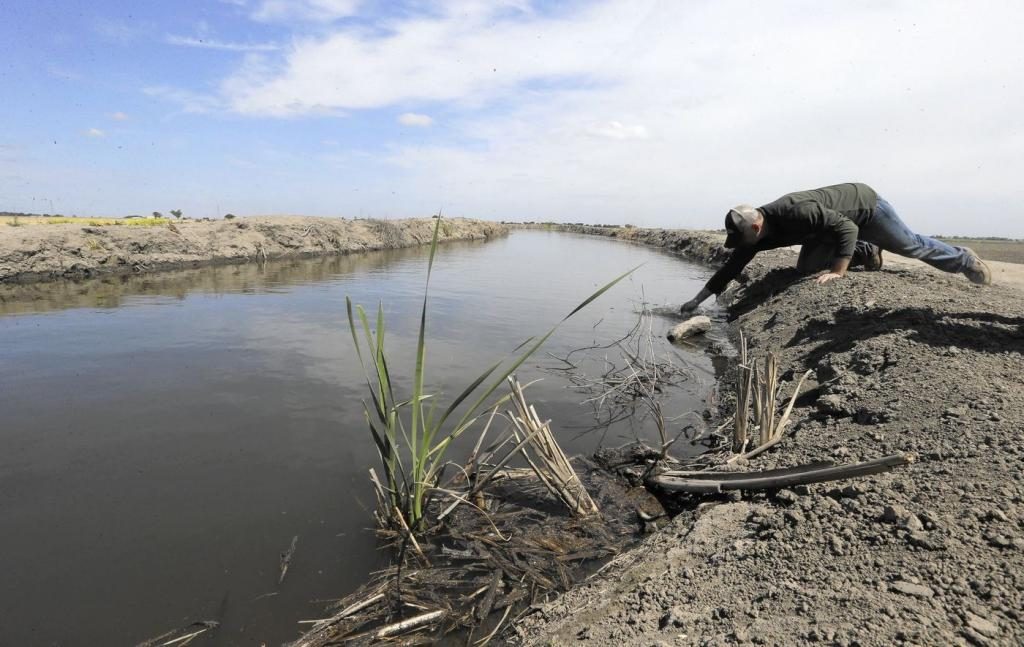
x,y
755,293
984,332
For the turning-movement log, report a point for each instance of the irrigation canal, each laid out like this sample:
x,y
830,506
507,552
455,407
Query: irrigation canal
x,y
165,436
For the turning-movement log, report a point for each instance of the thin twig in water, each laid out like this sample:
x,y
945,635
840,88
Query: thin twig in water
x,y
286,559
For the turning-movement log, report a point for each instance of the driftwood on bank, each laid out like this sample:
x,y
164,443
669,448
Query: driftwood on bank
x,y
708,482
691,327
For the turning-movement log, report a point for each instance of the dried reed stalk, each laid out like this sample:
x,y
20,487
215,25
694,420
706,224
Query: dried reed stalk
x,y
411,623
744,385
544,455
286,559
759,391
769,388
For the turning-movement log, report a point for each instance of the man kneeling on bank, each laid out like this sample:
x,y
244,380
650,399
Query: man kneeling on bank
x,y
837,227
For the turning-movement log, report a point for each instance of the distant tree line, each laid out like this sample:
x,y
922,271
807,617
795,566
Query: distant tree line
x,y
21,214
999,238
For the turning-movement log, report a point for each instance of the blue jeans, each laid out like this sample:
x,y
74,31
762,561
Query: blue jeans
x,y
887,231
891,234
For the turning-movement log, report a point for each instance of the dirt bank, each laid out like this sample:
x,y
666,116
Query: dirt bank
x,y
932,554
45,252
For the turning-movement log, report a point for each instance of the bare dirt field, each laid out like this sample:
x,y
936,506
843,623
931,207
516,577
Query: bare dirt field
x,y
902,360
35,252
1005,251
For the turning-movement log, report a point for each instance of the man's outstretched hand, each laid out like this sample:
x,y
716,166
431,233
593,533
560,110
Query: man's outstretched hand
x,y
692,304
828,276
688,307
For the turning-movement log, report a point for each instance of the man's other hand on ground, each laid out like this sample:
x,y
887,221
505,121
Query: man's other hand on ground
x,y
828,276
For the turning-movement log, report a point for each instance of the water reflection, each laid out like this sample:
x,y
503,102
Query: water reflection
x,y
249,278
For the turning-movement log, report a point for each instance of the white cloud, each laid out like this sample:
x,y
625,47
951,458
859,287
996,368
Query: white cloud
x,y
812,93
188,101
119,116
212,43
95,132
466,55
415,119
304,10
618,130
121,32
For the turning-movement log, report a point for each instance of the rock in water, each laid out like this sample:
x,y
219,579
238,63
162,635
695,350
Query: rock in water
x,y
693,326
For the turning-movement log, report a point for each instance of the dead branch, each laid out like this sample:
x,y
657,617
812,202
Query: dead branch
x,y
714,482
411,623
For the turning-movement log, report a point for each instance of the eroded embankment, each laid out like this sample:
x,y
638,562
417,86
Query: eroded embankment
x,y
902,361
47,252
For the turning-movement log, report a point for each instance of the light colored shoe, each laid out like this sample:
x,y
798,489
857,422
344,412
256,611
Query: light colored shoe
x,y
873,263
977,272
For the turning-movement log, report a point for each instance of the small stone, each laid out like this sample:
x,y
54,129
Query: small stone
x,y
955,412
912,523
794,517
674,618
923,540
841,452
1000,541
852,491
786,496
930,520
996,515
913,590
897,514
833,405
981,625
974,637
836,545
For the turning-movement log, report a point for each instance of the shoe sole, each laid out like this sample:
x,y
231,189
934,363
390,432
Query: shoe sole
x,y
986,273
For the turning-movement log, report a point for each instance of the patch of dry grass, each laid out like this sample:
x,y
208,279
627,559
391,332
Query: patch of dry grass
x,y
19,221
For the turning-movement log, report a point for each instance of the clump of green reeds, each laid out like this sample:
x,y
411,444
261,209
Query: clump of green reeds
x,y
413,434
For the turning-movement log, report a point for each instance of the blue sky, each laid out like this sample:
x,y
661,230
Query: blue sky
x,y
655,113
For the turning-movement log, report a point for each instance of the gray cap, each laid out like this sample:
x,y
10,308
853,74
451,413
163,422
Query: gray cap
x,y
738,216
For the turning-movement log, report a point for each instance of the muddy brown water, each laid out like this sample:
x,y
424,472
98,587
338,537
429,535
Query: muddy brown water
x,y
164,437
